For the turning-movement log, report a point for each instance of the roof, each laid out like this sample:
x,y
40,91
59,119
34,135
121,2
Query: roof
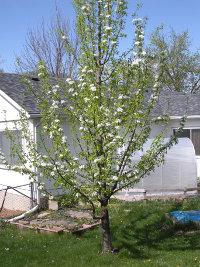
x,y
178,104
12,85
170,102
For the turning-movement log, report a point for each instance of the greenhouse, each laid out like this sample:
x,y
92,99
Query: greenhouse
x,y
177,175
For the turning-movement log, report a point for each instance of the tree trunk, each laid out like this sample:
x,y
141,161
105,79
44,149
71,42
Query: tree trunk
x,y
105,229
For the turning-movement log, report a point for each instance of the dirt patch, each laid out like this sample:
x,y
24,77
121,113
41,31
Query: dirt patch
x,y
5,214
69,220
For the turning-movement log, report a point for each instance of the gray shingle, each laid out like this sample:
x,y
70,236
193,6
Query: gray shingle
x,y
175,103
12,85
170,102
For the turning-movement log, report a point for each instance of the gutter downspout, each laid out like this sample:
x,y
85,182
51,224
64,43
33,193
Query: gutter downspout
x,y
24,214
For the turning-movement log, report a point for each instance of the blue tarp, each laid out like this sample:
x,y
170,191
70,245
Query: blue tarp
x,y
186,216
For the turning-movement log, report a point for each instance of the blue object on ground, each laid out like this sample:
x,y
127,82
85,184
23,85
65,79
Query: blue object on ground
x,y
186,216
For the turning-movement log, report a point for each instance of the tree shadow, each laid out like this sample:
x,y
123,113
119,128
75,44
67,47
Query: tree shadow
x,y
146,226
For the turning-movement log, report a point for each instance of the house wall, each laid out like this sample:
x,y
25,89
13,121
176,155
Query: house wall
x,y
182,169
10,111
67,128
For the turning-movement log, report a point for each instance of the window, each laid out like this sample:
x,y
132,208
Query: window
x,y
6,146
194,135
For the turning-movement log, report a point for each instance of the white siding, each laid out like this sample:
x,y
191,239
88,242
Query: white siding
x,y
10,111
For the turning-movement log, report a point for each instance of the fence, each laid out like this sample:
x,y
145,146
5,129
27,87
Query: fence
x,y
15,200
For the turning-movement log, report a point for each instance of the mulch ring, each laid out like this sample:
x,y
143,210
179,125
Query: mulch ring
x,y
5,213
61,221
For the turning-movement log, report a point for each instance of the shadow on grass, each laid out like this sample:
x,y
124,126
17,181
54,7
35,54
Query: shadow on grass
x,y
143,226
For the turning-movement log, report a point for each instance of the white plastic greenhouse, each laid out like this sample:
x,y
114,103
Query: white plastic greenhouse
x,y
177,175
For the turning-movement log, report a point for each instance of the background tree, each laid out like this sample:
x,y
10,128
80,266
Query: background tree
x,y
182,65
1,61
108,109
47,44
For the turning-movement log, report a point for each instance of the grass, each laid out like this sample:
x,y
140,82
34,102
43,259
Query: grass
x,y
140,230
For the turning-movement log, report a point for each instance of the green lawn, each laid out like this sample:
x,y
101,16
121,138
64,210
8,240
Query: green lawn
x,y
141,232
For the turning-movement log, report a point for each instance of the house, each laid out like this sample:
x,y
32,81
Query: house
x,y
14,97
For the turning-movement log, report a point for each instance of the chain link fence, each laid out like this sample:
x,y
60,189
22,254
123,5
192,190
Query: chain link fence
x,y
15,200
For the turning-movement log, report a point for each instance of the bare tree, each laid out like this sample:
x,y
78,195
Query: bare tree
x,y
48,43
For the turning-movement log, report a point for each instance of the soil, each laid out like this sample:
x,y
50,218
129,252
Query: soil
x,y
4,214
74,220
71,220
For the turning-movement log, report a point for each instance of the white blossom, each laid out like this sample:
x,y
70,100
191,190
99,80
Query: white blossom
x,y
64,139
114,178
119,109
81,167
99,125
93,88
84,70
41,67
113,42
68,80
120,97
156,84
86,99
136,20
137,61
84,8
107,28
64,37
55,88
99,159
71,90
71,82
40,187
91,71
118,121
110,135
137,43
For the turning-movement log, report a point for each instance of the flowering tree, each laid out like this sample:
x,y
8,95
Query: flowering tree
x,y
108,109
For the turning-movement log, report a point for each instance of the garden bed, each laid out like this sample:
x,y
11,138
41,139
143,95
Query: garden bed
x,y
65,220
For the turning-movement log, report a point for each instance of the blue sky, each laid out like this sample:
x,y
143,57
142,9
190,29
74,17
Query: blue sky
x,y
17,16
